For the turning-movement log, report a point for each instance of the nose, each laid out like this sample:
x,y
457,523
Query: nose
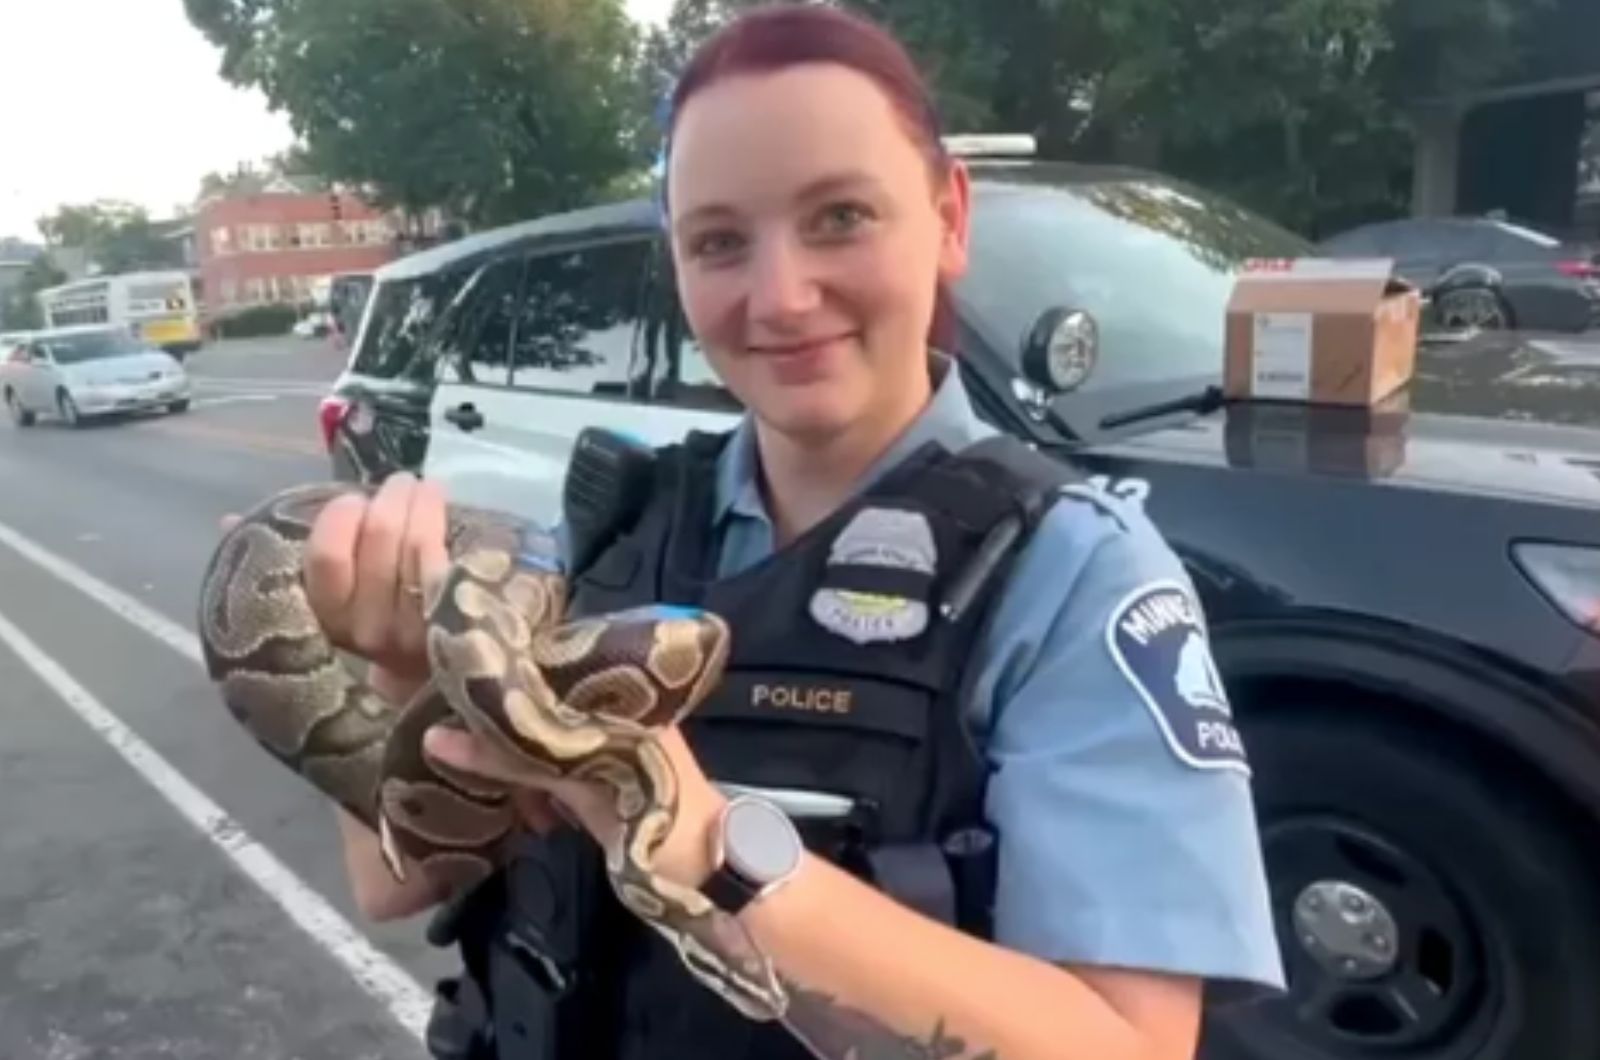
x,y
783,287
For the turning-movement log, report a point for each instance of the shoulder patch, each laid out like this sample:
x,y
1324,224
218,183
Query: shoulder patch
x,y
1158,637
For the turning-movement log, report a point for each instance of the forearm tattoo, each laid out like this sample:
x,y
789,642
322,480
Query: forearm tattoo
x,y
837,1032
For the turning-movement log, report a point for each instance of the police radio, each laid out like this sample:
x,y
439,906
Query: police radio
x,y
608,481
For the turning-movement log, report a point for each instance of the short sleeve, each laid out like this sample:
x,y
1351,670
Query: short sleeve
x,y
1121,793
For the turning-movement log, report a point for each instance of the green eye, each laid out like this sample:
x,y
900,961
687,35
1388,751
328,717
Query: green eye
x,y
843,217
714,244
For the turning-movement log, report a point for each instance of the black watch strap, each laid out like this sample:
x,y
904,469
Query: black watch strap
x,y
729,891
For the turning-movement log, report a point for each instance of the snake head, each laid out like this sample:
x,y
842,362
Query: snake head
x,y
646,667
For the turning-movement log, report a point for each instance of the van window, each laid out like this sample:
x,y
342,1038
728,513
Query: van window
x,y
404,313
580,319
670,366
476,347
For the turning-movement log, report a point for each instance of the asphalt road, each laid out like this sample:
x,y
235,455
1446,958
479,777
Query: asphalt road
x,y
166,890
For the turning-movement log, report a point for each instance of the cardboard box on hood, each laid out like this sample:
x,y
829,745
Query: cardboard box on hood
x,y
1321,331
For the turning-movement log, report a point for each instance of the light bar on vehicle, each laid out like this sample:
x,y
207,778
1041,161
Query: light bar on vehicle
x,y
1016,145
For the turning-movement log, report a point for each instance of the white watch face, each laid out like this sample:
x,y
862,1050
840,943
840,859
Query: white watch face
x,y
761,843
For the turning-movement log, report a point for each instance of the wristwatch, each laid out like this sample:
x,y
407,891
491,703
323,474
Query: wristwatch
x,y
755,850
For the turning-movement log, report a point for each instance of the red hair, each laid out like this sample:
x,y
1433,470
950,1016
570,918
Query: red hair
x,y
781,35
778,36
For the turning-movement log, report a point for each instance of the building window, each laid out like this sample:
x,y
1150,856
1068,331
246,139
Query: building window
x,y
261,237
222,241
366,233
314,235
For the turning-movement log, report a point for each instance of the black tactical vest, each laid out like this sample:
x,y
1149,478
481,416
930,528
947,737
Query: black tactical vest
x,y
827,691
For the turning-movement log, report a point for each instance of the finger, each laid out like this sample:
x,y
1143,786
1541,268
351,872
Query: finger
x,y
229,521
578,802
428,517
459,749
422,563
536,810
330,564
377,566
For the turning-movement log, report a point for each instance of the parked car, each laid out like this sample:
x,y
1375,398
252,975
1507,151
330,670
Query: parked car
x,y
1490,274
1405,600
80,373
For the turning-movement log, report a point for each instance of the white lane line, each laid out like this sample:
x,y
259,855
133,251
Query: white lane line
x,y
233,399
288,386
119,603
380,976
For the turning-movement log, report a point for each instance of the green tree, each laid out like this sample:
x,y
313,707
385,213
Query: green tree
x,y
19,310
494,110
252,178
116,236
1298,108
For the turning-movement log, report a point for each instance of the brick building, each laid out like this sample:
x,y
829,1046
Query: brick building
x,y
275,246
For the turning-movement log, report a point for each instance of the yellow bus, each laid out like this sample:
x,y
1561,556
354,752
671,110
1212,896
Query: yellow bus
x,y
158,308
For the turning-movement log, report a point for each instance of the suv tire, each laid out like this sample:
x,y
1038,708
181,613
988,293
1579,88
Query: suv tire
x,y
20,416
67,410
1476,873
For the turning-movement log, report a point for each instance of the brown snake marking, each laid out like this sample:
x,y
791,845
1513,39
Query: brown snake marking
x,y
583,699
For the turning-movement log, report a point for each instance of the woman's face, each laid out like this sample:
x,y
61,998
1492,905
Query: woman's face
x,y
810,236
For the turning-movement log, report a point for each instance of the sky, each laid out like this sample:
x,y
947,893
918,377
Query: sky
x,y
132,109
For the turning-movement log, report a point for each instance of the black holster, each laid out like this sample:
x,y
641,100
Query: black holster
x,y
459,1027
533,945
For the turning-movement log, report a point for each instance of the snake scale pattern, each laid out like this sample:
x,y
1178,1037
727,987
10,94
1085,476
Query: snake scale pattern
x,y
581,699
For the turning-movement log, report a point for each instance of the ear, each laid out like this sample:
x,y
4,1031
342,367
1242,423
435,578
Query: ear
x,y
954,203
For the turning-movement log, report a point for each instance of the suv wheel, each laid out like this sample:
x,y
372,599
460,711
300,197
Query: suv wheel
x,y
1473,308
67,409
1430,901
19,415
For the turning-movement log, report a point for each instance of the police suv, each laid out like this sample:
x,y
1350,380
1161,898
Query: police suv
x,y
1404,602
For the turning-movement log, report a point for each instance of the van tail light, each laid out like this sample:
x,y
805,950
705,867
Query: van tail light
x,y
1568,576
1579,270
331,415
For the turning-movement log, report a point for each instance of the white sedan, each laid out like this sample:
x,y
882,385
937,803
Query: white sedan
x,y
74,374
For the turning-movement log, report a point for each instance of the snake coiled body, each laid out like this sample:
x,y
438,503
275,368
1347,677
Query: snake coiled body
x,y
583,699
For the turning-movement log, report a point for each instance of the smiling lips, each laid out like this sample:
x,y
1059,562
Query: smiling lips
x,y
801,362
799,349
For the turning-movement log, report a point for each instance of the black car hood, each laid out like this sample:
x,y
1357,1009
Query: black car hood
x,y
1512,377
1508,415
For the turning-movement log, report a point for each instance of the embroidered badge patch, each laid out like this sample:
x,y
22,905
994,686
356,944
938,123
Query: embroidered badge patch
x,y
1158,637
879,578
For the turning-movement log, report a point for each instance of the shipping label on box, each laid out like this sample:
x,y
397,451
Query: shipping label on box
x,y
1280,363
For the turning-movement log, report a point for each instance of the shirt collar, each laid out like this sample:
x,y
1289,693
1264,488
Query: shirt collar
x,y
948,419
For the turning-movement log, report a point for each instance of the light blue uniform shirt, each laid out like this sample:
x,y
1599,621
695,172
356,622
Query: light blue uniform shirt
x,y
1121,843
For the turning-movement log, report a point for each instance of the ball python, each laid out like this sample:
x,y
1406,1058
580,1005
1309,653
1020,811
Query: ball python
x,y
582,699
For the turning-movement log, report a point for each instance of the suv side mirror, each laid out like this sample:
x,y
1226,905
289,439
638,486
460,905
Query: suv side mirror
x,y
1061,349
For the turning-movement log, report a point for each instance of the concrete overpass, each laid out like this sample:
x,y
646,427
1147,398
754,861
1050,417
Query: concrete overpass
x,y
1513,145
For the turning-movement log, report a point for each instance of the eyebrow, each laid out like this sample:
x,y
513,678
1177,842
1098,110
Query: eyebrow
x,y
822,186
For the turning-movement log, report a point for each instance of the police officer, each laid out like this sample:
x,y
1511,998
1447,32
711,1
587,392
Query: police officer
x,y
972,781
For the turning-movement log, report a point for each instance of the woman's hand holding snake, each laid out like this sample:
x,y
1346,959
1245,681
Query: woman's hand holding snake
x,y
483,699
685,854
367,563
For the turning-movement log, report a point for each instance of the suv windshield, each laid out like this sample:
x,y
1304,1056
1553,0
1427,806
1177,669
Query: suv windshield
x,y
1152,260
90,346
402,315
